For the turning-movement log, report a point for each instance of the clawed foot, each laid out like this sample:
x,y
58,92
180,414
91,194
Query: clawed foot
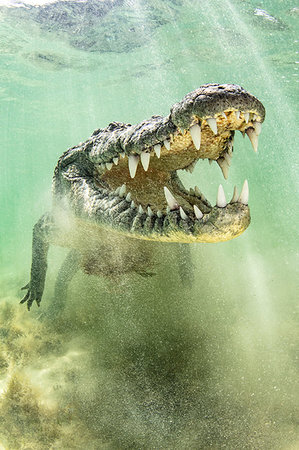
x,y
30,296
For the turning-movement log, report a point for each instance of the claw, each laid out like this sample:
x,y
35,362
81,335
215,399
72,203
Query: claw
x,y
25,298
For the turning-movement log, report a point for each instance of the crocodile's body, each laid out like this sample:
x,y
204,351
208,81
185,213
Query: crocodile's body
x,y
119,190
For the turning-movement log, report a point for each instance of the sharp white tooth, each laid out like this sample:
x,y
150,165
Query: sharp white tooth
x,y
115,160
145,159
167,144
183,214
197,191
211,161
103,166
109,166
246,116
235,196
173,204
133,163
258,127
128,197
122,190
191,166
224,115
254,139
254,117
117,190
132,204
157,149
197,212
228,158
221,200
149,212
223,166
244,196
159,214
230,148
191,191
237,113
140,210
212,124
123,155
195,132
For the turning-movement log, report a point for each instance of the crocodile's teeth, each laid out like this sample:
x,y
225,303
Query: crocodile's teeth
x,y
122,190
254,139
224,167
230,148
191,166
197,212
221,200
145,159
228,158
246,117
159,214
235,196
197,191
123,155
149,212
157,150
133,163
117,190
115,160
237,113
212,124
195,132
167,144
183,214
129,197
258,127
244,196
109,166
132,204
173,204
224,115
140,210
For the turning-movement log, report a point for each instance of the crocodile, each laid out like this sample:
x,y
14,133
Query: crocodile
x,y
119,191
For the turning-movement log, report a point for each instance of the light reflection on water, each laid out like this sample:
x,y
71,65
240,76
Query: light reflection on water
x,y
152,363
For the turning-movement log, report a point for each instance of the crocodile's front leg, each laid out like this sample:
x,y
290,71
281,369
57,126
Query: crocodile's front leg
x,y
40,246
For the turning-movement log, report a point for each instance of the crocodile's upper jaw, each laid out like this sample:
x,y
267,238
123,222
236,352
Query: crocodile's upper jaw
x,y
159,207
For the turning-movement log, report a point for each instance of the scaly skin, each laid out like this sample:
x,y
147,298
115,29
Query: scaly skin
x,y
120,188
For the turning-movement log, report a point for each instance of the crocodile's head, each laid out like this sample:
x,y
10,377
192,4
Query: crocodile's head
x,y
136,166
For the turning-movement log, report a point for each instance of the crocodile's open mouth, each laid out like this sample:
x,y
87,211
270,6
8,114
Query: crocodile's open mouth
x,y
145,174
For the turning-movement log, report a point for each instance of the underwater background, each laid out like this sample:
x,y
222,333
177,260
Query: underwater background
x,y
162,362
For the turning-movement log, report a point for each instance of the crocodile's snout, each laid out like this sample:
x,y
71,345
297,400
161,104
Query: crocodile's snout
x,y
135,167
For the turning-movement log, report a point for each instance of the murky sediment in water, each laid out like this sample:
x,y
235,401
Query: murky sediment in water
x,y
199,355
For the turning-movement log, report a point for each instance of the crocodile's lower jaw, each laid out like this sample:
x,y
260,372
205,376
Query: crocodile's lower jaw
x,y
164,210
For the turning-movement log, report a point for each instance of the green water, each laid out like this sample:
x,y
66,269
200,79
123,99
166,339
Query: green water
x,y
152,363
